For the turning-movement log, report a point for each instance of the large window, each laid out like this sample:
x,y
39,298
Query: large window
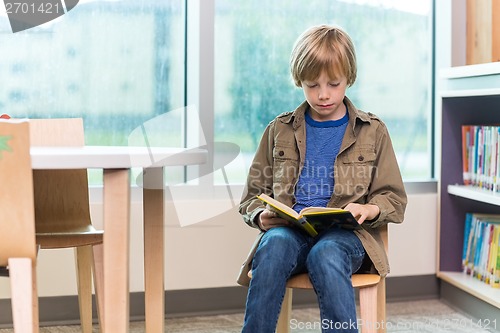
x,y
253,41
123,64
116,64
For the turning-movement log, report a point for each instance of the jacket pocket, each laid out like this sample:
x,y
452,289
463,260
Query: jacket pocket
x,y
355,171
285,167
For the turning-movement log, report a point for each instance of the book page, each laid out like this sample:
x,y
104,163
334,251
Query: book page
x,y
278,205
312,210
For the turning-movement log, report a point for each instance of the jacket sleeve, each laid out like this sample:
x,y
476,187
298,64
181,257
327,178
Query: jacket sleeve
x,y
260,178
387,189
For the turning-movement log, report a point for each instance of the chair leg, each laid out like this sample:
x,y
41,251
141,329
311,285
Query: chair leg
x,y
98,270
24,295
286,313
381,315
84,278
368,298
34,284
34,298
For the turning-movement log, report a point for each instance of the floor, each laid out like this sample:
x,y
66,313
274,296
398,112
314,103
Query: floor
x,y
411,316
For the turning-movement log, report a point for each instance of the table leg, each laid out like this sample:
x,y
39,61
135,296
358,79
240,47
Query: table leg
x,y
116,250
153,204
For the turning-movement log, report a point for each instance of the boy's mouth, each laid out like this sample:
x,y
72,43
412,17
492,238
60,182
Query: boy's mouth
x,y
325,105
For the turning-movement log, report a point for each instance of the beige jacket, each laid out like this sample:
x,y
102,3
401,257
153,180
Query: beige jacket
x,y
365,171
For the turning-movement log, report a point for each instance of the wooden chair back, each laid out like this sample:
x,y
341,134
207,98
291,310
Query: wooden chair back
x,y
17,227
61,196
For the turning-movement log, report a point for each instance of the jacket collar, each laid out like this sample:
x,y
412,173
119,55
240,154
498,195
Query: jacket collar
x,y
297,116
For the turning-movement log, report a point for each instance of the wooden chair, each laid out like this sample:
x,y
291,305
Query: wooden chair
x,y
62,211
17,224
371,298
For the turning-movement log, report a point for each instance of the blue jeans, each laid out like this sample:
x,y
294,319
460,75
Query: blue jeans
x,y
330,259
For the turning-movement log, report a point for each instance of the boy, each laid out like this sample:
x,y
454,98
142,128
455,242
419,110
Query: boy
x,y
325,153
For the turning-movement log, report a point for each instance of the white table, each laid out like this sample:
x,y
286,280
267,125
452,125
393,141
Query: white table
x,y
116,163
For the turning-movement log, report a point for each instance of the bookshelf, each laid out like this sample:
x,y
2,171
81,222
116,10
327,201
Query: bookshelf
x,y
472,96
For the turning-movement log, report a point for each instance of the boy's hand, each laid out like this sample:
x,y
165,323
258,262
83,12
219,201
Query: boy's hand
x,y
363,212
268,219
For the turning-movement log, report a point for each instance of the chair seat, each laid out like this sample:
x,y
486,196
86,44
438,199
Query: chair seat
x,y
69,239
302,281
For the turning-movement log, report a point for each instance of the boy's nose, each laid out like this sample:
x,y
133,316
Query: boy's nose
x,y
323,94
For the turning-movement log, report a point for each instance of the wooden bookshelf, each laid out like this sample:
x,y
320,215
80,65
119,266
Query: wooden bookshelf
x,y
473,98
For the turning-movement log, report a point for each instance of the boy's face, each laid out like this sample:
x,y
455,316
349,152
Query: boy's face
x,y
325,96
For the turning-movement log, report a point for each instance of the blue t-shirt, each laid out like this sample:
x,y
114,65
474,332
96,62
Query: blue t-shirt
x,y
323,141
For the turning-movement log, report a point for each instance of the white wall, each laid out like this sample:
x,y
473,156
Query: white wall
x,y
209,254
413,244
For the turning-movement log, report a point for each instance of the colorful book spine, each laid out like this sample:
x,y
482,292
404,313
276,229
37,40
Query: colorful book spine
x,y
466,159
490,267
467,236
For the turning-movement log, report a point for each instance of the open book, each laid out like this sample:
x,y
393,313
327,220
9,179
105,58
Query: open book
x,y
312,219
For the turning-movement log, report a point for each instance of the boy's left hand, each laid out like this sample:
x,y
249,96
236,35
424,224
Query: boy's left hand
x,y
363,212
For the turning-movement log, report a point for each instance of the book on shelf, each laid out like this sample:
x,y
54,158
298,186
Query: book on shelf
x,y
467,144
481,157
481,251
312,219
494,258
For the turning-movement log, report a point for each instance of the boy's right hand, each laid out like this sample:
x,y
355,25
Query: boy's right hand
x,y
269,219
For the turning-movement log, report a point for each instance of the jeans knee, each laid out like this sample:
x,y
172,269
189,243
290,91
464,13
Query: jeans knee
x,y
280,240
336,255
327,257
279,246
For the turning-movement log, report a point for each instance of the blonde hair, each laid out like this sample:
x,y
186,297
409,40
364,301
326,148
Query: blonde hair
x,y
323,48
